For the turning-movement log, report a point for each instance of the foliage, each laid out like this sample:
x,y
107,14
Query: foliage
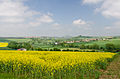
x,y
58,44
17,45
110,47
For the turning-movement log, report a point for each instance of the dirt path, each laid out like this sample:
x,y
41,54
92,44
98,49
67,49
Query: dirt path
x,y
113,70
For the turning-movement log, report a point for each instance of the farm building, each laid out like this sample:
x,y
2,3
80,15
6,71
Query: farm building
x,y
22,49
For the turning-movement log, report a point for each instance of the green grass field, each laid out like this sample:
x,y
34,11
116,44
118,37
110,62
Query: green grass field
x,y
19,40
11,76
102,43
43,43
10,39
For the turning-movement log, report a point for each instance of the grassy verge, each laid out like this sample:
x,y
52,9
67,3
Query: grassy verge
x,y
10,76
113,70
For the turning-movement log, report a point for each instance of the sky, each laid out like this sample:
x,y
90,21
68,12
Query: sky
x,y
20,18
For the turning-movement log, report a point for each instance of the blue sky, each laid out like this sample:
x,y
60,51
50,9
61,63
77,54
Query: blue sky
x,y
64,11
59,17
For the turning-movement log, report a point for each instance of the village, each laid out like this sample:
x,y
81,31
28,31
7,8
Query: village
x,y
85,40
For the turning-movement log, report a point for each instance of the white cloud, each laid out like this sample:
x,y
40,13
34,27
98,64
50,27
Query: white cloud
x,y
117,23
91,1
41,20
108,27
113,29
108,8
79,22
11,9
15,11
18,18
56,24
45,19
114,26
11,20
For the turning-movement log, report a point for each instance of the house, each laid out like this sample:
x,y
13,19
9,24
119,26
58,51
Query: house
x,y
110,37
22,49
56,43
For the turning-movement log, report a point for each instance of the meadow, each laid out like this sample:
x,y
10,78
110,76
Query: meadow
x,y
14,39
102,43
54,64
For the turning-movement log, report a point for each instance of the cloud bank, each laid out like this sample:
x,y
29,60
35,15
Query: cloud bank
x,y
108,8
16,18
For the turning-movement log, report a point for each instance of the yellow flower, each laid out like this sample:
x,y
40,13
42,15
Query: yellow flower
x,y
51,61
3,44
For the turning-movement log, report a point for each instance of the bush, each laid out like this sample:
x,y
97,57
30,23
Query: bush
x,y
56,49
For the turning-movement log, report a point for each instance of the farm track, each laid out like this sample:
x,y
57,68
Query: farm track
x,y
113,70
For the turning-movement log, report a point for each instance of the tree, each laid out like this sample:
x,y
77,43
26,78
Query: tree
x,y
95,46
12,45
82,46
17,45
110,47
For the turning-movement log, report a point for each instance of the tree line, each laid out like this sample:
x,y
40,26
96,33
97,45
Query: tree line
x,y
109,47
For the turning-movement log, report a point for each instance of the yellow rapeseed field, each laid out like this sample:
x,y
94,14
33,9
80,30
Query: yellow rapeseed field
x,y
49,61
3,44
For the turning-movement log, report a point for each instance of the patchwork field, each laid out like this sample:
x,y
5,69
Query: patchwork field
x,y
54,65
102,43
3,44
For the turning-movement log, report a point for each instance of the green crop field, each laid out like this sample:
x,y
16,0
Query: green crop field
x,y
11,39
102,43
18,40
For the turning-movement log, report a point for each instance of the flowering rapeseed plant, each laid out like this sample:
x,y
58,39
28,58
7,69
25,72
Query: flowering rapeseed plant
x,y
3,44
49,62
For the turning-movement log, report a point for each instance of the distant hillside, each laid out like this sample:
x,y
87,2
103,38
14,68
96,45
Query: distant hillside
x,y
12,37
80,36
3,40
102,43
83,37
7,39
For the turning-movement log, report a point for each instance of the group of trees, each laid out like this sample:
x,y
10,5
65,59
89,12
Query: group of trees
x,y
109,47
17,45
94,46
112,48
28,46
